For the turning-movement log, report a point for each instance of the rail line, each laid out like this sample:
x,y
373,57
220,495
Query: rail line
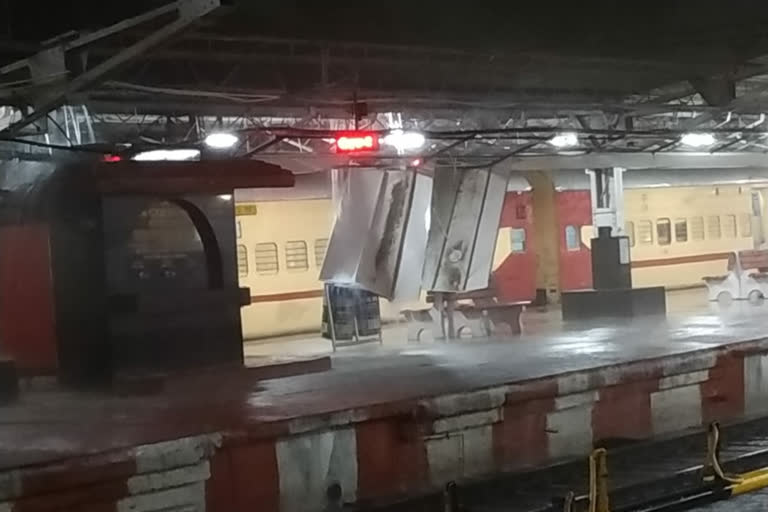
x,y
653,476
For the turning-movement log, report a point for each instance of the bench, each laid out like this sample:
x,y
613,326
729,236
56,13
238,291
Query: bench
x,y
495,317
420,320
451,316
738,282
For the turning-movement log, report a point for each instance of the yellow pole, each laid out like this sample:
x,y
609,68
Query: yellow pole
x,y
598,481
749,484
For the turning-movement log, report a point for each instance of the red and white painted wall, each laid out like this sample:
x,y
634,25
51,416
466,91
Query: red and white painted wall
x,y
389,451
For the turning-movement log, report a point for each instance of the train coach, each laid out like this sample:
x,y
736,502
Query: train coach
x,y
681,226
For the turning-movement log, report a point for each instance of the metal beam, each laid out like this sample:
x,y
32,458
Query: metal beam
x,y
306,162
122,25
188,12
641,161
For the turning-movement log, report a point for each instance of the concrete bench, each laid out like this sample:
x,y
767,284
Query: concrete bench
x,y
738,282
420,320
483,316
503,318
430,319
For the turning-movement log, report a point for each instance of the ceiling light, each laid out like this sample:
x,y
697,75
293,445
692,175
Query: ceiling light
x,y
159,155
402,141
221,140
565,140
698,140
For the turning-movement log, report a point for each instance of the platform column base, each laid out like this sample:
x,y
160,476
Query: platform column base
x,y
614,303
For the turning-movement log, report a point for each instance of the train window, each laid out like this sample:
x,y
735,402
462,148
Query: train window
x,y
238,230
296,257
713,227
321,245
697,228
572,238
265,259
644,232
729,226
681,230
242,261
629,229
664,231
517,239
745,225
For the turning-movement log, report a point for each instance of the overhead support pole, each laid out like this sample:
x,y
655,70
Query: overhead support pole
x,y
187,11
607,194
611,269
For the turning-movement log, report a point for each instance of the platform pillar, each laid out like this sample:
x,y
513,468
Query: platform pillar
x,y
611,267
612,294
606,188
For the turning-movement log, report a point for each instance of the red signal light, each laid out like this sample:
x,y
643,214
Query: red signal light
x,y
112,158
357,141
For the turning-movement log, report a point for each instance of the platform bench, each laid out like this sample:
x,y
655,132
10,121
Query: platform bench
x,y
421,320
485,315
739,282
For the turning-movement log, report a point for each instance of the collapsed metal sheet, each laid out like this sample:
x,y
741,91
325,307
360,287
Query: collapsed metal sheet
x,y
465,214
357,195
19,174
379,235
414,243
20,185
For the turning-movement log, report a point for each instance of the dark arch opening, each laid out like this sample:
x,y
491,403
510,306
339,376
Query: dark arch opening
x,y
211,249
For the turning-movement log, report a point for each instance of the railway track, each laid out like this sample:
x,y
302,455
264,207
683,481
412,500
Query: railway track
x,y
754,502
639,474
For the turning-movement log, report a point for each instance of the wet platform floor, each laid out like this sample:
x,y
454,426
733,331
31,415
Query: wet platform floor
x,y
48,425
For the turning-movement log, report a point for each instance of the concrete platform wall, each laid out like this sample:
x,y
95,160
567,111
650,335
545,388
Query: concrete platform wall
x,y
388,451
168,476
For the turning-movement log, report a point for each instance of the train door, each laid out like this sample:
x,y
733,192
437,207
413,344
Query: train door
x,y
574,211
514,274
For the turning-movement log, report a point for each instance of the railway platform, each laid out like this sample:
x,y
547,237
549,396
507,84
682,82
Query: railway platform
x,y
383,423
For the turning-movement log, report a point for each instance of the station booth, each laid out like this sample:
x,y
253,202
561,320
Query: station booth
x,y
124,268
